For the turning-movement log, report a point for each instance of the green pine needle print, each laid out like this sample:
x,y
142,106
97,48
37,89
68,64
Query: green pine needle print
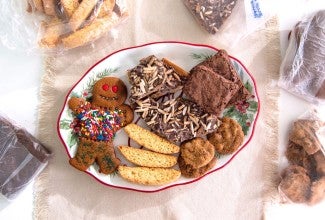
x,y
248,86
217,155
243,112
72,139
106,72
200,56
65,124
88,87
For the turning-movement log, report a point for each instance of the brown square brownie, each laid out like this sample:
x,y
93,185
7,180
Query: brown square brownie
x,y
209,90
221,64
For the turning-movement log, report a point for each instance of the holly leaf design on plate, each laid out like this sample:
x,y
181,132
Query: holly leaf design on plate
x,y
65,124
243,111
72,139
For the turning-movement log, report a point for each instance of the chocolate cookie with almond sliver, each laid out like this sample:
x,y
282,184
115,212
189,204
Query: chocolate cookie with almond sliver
x,y
210,91
220,64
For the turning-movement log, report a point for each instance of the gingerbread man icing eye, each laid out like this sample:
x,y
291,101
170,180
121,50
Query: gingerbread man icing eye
x,y
115,89
105,87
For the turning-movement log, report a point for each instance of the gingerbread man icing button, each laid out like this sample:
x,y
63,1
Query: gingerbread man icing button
x,y
96,123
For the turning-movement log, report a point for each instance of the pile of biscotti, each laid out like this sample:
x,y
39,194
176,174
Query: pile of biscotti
x,y
153,165
73,23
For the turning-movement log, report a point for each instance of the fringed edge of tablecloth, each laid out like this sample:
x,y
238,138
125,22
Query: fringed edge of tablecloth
x,y
271,110
41,205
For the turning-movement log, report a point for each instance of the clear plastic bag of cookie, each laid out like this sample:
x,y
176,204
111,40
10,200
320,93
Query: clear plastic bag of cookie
x,y
231,19
303,167
302,69
56,26
22,158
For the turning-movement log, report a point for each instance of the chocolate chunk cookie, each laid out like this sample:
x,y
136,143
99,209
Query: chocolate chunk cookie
x,y
197,152
228,137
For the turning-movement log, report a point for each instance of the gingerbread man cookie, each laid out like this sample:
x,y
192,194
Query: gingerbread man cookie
x,y
96,123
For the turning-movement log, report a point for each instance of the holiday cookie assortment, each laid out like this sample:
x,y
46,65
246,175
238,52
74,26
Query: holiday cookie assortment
x,y
183,133
73,23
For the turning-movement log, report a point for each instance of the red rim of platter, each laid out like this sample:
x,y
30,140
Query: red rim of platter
x,y
176,184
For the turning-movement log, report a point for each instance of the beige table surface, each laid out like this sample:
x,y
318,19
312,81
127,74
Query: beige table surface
x,y
20,76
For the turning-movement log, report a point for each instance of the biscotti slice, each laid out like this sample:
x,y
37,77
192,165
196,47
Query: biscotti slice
x,y
81,13
106,8
69,6
38,4
148,176
150,140
90,32
147,158
49,7
53,30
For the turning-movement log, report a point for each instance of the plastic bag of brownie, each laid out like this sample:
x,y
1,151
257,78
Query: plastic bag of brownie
x,y
22,158
303,165
303,67
56,26
231,18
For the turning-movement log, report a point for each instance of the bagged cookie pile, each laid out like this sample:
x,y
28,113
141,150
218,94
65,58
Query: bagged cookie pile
x,y
303,180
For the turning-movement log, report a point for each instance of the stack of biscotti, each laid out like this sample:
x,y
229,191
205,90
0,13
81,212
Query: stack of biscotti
x,y
153,163
73,23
